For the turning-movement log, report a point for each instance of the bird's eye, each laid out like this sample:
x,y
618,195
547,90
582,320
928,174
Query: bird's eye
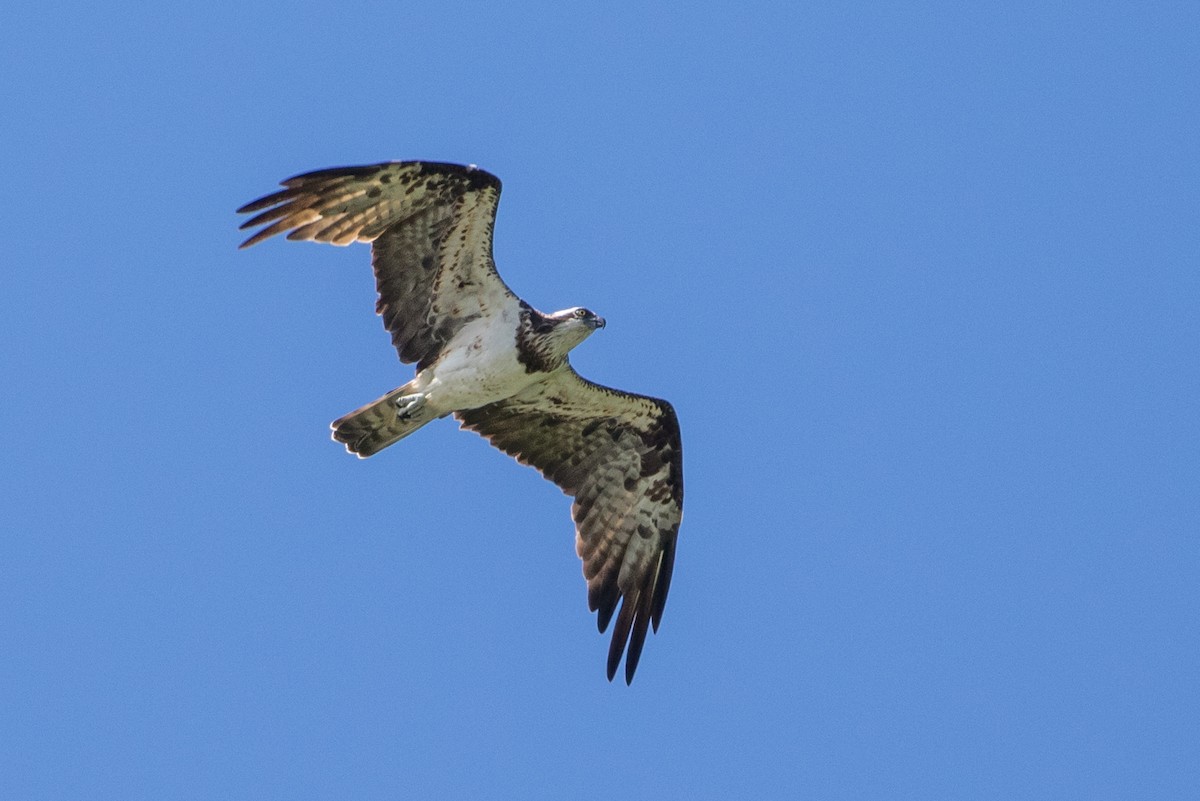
x,y
581,313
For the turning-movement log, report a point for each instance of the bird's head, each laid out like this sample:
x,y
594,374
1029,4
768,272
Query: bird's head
x,y
572,326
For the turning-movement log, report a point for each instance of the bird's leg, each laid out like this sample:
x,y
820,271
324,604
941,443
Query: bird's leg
x,y
408,405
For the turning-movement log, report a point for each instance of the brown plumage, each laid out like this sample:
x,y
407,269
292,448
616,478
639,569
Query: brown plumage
x,y
501,368
621,458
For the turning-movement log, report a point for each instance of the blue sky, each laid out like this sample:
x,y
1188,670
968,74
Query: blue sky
x,y
920,279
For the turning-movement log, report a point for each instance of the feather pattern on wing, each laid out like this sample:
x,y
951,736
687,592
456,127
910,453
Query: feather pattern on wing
x,y
431,228
620,456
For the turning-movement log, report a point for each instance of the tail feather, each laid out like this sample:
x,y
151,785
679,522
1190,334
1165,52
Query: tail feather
x,y
372,428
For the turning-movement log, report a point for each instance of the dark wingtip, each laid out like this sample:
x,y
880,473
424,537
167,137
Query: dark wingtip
x,y
314,176
604,615
265,233
637,640
620,636
253,205
662,585
273,199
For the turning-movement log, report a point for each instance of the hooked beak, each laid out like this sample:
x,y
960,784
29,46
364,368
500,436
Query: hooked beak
x,y
598,322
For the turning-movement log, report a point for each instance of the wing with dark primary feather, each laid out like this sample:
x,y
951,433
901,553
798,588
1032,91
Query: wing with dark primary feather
x,y
621,458
431,225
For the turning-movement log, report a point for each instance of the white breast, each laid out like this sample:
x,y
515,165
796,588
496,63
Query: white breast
x,y
479,367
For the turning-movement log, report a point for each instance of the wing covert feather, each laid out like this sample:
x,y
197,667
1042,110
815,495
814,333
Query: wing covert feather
x,y
620,456
431,227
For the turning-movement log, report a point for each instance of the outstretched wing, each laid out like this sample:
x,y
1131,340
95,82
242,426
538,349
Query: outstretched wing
x,y
621,458
431,225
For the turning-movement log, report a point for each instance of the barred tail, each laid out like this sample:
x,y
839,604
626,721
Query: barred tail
x,y
372,428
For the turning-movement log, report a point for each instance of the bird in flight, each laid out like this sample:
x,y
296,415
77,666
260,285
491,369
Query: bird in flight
x,y
501,368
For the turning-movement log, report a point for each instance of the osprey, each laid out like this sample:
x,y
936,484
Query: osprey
x,y
501,367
